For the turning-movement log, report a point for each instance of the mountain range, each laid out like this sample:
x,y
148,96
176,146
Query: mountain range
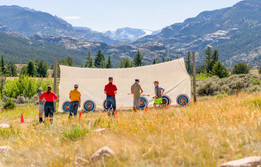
x,y
235,31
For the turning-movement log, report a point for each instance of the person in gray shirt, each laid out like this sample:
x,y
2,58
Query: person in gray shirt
x,y
41,105
136,91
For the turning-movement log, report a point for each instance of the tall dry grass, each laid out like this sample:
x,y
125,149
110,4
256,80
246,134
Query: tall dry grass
x,y
208,133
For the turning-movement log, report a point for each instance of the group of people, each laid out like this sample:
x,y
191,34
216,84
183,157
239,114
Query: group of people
x,y
47,99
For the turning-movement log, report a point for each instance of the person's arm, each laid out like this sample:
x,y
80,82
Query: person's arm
x,y
105,90
115,92
70,95
80,102
42,96
163,90
55,97
141,91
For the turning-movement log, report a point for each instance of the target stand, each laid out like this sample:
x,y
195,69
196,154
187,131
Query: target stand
x,y
67,106
89,105
166,100
143,102
183,100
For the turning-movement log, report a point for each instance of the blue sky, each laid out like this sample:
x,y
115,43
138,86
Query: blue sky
x,y
102,15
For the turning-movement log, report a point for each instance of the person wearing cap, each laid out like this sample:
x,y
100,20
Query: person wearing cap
x,y
41,105
110,90
75,97
158,94
136,90
49,98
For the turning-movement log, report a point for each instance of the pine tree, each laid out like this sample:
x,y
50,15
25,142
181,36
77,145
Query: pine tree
x,y
31,69
2,63
108,63
137,61
11,69
99,59
127,63
177,56
215,56
154,61
89,62
163,59
70,61
169,59
42,69
220,70
259,70
188,63
209,59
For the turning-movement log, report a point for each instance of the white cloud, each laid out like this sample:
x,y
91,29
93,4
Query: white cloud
x,y
71,17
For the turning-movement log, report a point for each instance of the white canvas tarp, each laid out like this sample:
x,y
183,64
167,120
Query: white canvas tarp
x,y
172,76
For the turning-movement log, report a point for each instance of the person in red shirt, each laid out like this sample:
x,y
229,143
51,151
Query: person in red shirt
x,y
110,90
49,98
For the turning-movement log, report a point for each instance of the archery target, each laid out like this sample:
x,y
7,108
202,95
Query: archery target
x,y
183,100
143,102
105,106
67,106
166,100
89,105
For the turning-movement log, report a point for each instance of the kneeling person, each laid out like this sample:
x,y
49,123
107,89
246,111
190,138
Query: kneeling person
x,y
75,97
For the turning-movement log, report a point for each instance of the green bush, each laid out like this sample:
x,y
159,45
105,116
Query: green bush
x,y
24,86
240,68
75,132
230,85
254,101
9,104
221,95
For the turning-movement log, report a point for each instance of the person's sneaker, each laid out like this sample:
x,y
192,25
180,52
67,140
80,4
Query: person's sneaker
x,y
109,113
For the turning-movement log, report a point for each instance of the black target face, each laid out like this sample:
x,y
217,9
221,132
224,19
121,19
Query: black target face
x,y
67,106
143,102
105,105
89,106
166,100
183,100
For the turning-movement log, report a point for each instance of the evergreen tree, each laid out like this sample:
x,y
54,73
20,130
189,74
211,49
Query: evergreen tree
x,y
137,60
259,70
11,69
154,61
127,63
169,59
2,64
188,63
240,68
42,69
70,61
108,63
208,59
177,56
220,70
89,62
31,69
163,59
99,59
215,56
24,71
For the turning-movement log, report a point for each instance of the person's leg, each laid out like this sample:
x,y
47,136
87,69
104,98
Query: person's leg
x,y
113,102
45,112
71,110
76,105
41,111
108,99
51,111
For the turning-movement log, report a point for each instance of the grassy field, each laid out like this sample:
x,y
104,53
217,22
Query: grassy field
x,y
207,133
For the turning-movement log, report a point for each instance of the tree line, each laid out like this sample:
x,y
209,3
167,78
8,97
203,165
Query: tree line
x,y
214,67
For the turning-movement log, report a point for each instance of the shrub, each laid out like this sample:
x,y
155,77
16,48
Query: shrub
x,y
221,95
240,68
254,101
9,104
259,70
75,132
21,100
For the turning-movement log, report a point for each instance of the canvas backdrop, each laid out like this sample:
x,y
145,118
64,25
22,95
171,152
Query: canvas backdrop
x,y
171,75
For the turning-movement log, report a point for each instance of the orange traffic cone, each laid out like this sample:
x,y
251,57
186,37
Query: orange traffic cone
x,y
80,115
169,107
22,118
116,113
145,109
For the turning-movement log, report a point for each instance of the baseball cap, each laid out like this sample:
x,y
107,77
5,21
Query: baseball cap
x,y
76,85
49,86
137,79
110,78
157,82
40,88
